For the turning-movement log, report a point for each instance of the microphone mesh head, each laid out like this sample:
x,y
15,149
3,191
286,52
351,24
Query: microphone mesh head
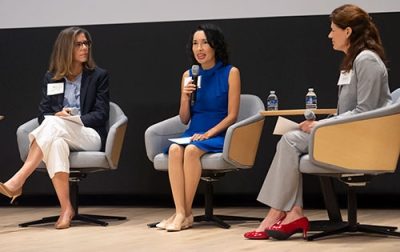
x,y
195,70
309,114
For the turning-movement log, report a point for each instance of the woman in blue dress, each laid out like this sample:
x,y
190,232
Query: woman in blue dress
x,y
216,108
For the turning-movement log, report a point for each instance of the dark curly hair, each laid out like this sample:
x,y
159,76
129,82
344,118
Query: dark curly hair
x,y
365,34
215,38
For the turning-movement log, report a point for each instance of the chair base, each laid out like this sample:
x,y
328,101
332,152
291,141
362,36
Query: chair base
x,y
352,225
325,225
219,220
345,227
88,218
74,192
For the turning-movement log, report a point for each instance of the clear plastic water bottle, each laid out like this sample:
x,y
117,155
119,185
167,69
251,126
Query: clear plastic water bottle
x,y
272,101
311,99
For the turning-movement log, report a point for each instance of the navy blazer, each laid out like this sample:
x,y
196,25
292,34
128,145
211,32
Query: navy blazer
x,y
94,100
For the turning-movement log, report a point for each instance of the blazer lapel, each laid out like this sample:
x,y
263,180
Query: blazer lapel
x,y
84,87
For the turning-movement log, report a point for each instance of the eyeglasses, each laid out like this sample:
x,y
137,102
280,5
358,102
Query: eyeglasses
x,y
79,44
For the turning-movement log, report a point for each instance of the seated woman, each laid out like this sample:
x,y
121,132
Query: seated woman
x,y
363,86
215,108
73,85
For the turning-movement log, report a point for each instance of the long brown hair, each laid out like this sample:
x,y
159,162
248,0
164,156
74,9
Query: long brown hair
x,y
62,55
364,35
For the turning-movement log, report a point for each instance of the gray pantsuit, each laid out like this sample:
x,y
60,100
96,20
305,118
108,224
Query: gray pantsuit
x,y
283,187
366,90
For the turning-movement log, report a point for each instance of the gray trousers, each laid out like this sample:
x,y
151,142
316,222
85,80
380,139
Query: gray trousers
x,y
283,186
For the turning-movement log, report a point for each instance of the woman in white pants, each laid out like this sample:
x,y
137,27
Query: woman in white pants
x,y
363,86
72,115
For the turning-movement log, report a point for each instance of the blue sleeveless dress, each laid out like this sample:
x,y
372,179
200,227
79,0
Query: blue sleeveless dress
x,y
211,106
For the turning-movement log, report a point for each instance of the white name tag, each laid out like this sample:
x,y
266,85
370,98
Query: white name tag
x,y
188,79
345,78
55,88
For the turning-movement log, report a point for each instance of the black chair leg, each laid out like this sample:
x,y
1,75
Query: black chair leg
x,y
383,230
214,219
332,207
96,219
44,220
219,220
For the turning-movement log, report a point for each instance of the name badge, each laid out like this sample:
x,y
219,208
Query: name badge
x,y
188,79
345,78
55,88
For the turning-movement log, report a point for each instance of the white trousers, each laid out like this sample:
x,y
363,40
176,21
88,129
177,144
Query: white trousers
x,y
57,136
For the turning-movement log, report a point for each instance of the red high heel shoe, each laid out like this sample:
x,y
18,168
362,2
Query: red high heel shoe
x,y
254,235
284,231
262,235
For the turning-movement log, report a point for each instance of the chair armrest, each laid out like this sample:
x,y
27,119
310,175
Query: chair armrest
x,y
157,135
241,141
115,140
365,142
23,137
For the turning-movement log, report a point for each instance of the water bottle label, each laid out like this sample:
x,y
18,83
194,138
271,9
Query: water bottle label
x,y
272,104
311,102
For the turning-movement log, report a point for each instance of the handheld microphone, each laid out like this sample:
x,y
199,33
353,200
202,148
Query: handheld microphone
x,y
309,115
195,75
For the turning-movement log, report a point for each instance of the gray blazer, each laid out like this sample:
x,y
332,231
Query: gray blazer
x,y
368,88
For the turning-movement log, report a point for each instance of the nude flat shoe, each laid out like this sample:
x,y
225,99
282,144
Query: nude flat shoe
x,y
64,222
190,221
164,223
6,192
185,224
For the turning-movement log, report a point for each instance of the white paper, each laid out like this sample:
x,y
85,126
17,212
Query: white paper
x,y
55,88
181,140
284,125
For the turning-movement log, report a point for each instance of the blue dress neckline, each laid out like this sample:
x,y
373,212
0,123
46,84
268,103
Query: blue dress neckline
x,y
208,72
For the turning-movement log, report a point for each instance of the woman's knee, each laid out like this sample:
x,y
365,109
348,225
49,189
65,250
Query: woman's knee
x,y
175,150
296,139
191,151
60,142
292,136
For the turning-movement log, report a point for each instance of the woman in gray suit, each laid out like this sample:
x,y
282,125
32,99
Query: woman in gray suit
x,y
363,86
72,114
